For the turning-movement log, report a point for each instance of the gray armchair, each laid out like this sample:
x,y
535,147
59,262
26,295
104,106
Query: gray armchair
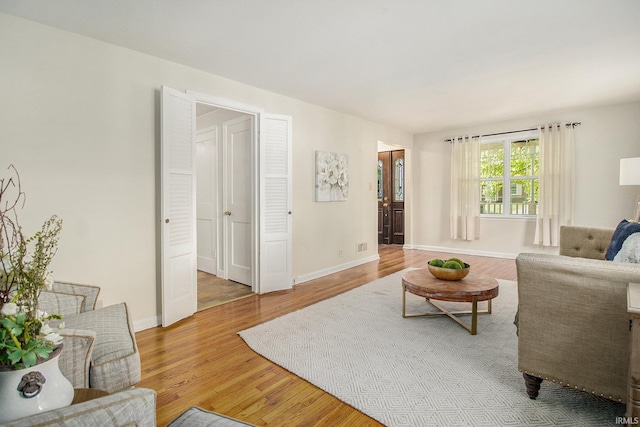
x,y
100,349
573,320
100,352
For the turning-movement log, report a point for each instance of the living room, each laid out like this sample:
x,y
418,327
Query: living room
x,y
80,119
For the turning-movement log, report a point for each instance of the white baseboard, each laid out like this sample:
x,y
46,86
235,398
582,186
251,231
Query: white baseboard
x,y
152,322
462,251
148,323
321,273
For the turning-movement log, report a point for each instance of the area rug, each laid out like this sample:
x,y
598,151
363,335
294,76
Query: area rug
x,y
420,371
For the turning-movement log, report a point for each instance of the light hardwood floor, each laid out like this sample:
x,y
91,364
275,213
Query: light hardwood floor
x,y
213,291
201,361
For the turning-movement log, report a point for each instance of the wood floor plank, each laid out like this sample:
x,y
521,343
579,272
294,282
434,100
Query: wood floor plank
x,y
201,361
213,291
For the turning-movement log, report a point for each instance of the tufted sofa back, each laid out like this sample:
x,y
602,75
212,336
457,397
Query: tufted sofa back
x,y
585,242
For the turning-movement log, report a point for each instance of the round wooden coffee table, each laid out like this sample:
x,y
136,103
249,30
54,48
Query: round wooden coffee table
x,y
470,289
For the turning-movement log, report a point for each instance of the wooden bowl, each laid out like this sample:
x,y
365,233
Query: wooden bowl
x,y
449,273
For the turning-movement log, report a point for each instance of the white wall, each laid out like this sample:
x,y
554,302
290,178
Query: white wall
x,y
606,135
80,120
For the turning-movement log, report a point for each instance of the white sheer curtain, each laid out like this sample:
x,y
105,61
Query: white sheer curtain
x,y
465,188
556,183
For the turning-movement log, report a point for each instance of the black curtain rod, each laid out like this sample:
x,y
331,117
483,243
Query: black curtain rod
x,y
574,124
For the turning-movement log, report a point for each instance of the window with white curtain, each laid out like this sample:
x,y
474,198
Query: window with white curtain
x,y
509,169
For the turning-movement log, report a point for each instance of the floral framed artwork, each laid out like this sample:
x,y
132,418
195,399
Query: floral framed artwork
x,y
332,176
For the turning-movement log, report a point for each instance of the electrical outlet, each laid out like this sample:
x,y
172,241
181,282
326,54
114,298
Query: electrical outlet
x,y
340,252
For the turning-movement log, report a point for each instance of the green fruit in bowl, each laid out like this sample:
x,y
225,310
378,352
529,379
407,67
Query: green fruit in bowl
x,y
455,265
458,260
436,262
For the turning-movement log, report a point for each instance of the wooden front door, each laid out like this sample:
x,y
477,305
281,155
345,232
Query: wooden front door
x,y
391,193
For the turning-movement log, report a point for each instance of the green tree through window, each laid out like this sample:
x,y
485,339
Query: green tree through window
x,y
511,162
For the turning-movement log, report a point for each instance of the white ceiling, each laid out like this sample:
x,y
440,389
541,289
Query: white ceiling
x,y
417,65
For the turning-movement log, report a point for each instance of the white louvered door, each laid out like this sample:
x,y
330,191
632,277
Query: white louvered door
x,y
178,207
275,203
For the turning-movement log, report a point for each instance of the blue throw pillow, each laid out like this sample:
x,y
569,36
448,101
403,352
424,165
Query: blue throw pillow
x,y
625,243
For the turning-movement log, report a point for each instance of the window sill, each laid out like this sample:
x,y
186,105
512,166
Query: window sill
x,y
508,218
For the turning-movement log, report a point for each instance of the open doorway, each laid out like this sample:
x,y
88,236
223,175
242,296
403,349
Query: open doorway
x,y
223,204
263,170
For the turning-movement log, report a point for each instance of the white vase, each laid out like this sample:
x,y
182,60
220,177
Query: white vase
x,y
54,392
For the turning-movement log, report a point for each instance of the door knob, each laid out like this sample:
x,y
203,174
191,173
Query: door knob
x,y
228,213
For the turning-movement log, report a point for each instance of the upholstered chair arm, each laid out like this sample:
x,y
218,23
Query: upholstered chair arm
x,y
574,327
115,361
75,359
132,407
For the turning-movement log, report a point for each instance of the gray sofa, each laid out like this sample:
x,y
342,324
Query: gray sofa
x,y
573,320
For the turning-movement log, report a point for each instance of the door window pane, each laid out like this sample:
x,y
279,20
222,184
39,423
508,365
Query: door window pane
x,y
398,193
380,180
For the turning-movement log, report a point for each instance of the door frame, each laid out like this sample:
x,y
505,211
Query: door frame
x,y
254,175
